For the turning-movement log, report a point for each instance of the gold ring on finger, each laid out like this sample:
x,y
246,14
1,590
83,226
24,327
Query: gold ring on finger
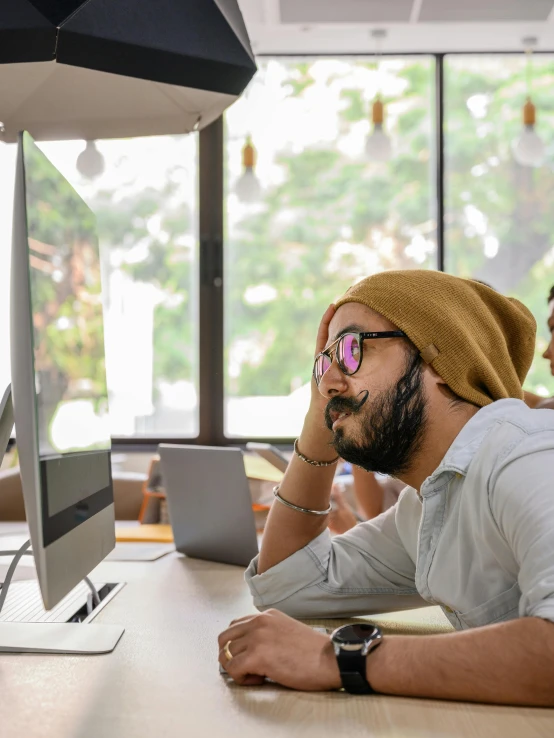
x,y
227,650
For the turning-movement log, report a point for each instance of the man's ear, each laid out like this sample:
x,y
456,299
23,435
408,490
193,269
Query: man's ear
x,y
434,379
428,355
433,376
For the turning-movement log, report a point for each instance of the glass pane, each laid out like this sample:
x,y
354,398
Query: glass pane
x,y
499,219
329,215
146,206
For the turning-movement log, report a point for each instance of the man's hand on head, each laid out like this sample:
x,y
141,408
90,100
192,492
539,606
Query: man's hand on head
x,y
318,402
275,646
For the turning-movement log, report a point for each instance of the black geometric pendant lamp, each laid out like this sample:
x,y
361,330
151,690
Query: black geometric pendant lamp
x,y
94,69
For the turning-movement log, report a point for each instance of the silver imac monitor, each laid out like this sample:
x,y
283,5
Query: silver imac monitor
x,y
58,376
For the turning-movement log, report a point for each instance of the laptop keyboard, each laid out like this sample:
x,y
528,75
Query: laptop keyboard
x,y
24,604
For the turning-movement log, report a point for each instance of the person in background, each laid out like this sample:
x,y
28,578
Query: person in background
x,y
536,401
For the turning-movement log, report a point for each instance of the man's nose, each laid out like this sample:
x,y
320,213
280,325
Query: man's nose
x,y
333,382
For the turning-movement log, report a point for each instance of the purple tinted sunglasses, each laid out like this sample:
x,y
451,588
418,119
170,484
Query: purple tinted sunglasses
x,y
349,352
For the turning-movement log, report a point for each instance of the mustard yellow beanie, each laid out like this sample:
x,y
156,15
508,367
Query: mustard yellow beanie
x,y
480,342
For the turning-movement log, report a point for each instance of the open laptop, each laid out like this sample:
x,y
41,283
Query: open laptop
x,y
209,502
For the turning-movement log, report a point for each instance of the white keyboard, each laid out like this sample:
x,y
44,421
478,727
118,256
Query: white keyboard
x,y
24,604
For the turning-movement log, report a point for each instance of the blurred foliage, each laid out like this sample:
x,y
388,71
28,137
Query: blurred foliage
x,y
383,210
333,217
66,287
166,261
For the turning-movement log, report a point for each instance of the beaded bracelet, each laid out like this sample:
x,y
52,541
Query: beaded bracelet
x,y
297,507
311,461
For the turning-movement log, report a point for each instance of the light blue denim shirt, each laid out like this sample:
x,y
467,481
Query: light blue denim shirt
x,y
479,541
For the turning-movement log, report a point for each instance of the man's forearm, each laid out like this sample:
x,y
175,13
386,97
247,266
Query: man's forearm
x,y
286,530
507,663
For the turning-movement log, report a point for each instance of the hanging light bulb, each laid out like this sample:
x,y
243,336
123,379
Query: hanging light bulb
x,y
90,162
529,149
378,145
247,187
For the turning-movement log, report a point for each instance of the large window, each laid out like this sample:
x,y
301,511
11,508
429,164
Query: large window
x,y
328,216
499,215
146,207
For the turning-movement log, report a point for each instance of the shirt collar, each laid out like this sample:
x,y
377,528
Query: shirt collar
x,y
460,454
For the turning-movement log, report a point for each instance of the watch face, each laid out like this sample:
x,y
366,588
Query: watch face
x,y
354,633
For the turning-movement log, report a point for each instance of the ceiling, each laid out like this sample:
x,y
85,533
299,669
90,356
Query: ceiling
x,y
345,26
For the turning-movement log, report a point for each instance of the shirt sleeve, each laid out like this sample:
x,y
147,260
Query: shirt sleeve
x,y
522,503
365,570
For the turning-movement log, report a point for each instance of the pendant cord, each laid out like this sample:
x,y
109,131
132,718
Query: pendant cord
x,y
528,71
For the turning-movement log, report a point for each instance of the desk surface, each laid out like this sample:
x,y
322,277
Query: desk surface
x,y
163,680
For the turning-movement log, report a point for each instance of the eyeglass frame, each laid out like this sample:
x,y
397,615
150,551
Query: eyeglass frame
x,y
361,338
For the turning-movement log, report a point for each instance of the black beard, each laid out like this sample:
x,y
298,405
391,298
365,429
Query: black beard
x,y
392,433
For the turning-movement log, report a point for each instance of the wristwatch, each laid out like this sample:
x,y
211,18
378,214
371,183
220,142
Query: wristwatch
x,y
352,643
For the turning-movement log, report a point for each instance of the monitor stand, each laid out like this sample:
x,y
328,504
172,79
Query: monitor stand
x,y
75,638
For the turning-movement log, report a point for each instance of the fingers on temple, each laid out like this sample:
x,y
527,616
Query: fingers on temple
x,y
323,331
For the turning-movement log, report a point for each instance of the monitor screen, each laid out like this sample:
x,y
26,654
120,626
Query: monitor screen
x,y
68,347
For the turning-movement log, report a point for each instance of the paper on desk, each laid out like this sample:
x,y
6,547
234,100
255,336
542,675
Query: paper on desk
x,y
257,467
139,551
423,621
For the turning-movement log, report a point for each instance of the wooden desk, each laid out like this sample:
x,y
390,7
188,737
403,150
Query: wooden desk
x,y
163,680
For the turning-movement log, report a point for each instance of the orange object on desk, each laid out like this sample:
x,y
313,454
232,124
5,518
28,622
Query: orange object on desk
x,y
144,533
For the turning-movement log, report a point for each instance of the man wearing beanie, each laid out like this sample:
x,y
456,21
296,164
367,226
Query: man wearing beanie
x,y
418,375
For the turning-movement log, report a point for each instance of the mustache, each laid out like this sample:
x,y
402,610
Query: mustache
x,y
345,405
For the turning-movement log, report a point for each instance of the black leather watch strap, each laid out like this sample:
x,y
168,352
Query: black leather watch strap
x,y
352,667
